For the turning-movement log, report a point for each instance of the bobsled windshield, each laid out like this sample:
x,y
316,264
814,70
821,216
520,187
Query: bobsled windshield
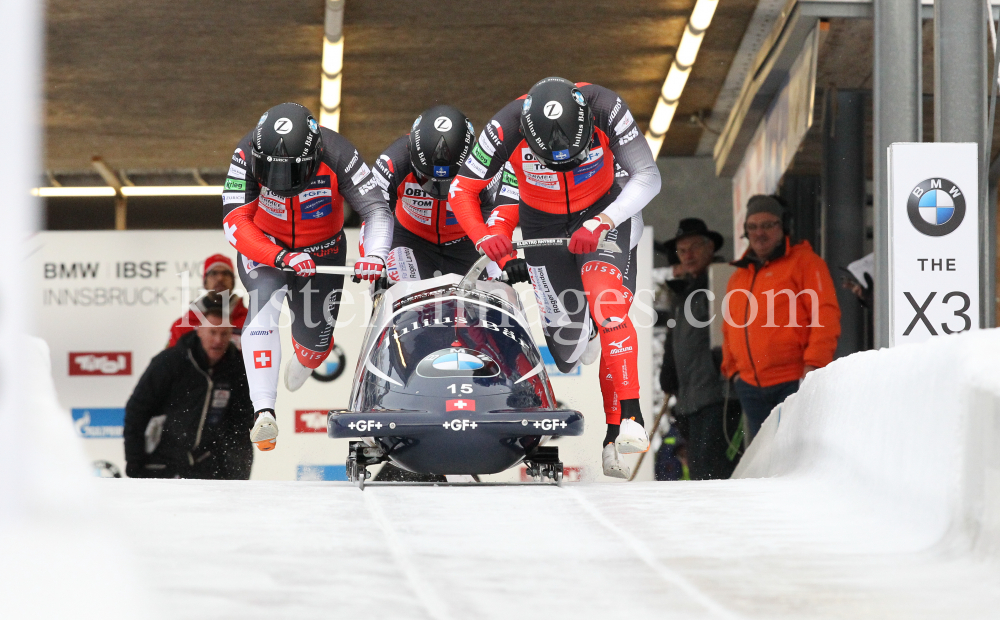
x,y
450,345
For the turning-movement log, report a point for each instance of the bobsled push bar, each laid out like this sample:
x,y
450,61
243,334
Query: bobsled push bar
x,y
469,281
501,423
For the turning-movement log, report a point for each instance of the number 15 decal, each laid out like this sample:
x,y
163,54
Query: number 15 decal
x,y
463,388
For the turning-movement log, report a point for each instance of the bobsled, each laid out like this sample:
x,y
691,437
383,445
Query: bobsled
x,y
449,381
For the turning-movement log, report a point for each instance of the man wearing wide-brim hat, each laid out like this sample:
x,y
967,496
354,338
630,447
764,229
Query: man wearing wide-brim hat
x,y
690,368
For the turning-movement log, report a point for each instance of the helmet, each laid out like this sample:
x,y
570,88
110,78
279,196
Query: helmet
x,y
440,141
285,149
557,124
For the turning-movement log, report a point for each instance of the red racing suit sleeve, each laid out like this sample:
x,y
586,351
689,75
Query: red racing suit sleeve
x,y
496,142
239,205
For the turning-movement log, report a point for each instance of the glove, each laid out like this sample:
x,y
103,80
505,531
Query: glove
x,y
586,238
516,270
302,263
495,246
368,268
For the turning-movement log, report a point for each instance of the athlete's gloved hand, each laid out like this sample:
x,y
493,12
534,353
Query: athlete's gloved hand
x,y
302,263
495,246
585,240
516,271
368,268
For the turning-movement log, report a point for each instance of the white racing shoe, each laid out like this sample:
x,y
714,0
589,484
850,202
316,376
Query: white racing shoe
x,y
614,467
593,351
632,437
264,433
296,374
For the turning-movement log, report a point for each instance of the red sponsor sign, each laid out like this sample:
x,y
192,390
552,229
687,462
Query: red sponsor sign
x,y
310,421
105,363
460,404
262,359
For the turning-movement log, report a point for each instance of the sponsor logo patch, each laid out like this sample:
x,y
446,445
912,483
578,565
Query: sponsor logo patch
x,y
546,181
262,359
484,143
237,172
100,364
477,168
230,198
632,135
360,174
624,123
235,184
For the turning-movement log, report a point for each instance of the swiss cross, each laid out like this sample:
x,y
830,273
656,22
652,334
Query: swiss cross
x,y
461,404
262,359
230,233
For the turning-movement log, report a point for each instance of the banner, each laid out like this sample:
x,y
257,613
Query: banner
x,y
933,239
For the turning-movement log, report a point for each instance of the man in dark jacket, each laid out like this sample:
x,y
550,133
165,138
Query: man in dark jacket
x,y
190,414
689,363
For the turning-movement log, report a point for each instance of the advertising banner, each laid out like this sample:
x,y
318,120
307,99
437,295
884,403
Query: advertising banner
x,y
104,302
933,239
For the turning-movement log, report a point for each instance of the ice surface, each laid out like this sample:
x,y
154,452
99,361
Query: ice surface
x,y
873,493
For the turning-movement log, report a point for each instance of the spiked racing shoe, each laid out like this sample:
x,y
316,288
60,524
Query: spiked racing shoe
x,y
614,467
296,374
264,433
632,437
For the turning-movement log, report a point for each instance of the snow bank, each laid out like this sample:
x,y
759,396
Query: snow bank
x,y
914,431
60,557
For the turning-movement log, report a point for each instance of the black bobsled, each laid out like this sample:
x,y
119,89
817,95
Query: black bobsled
x,y
449,381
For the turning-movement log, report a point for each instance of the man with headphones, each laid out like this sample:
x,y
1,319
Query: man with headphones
x,y
782,320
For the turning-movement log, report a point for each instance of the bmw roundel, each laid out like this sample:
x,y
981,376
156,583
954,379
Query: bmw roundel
x,y
527,105
578,98
936,207
416,122
313,125
457,362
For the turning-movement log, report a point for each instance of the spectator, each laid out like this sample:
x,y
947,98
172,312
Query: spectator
x,y
690,366
782,320
190,414
219,279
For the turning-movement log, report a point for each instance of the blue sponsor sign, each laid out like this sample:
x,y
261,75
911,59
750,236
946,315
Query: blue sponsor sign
x,y
97,423
560,155
441,172
317,208
316,473
584,172
321,180
550,365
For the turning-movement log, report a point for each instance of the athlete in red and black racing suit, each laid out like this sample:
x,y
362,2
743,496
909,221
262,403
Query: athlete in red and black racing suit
x,y
582,201
275,233
427,240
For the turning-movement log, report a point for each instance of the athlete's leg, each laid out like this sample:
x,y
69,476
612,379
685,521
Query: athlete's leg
x,y
555,277
314,304
408,260
267,287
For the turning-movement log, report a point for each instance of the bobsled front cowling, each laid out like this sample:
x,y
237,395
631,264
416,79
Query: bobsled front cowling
x,y
450,382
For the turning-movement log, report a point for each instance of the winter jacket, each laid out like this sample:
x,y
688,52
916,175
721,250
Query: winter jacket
x,y
187,323
186,420
688,351
767,353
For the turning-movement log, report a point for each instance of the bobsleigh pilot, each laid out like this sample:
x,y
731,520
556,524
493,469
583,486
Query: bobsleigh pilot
x,y
564,141
283,204
415,173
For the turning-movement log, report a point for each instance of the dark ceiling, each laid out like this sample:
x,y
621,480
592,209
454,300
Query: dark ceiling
x,y
168,85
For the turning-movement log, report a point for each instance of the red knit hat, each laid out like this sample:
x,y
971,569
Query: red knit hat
x,y
217,260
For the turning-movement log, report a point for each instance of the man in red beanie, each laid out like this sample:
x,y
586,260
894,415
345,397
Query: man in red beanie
x,y
218,281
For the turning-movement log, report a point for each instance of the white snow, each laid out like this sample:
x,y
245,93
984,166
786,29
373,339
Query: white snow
x,y
875,495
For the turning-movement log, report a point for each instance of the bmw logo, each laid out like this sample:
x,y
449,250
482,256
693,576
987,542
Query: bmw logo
x,y
415,123
313,125
578,98
527,105
936,207
468,124
262,119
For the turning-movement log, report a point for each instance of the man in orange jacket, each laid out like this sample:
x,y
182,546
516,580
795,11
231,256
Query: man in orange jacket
x,y
781,318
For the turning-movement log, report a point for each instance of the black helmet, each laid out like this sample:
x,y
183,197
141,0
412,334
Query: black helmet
x,y
557,124
286,149
440,140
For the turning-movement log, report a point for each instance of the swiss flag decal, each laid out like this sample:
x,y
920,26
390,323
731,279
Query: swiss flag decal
x,y
460,404
262,359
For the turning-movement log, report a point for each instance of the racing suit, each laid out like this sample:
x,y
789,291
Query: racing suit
x,y
427,240
556,204
262,225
